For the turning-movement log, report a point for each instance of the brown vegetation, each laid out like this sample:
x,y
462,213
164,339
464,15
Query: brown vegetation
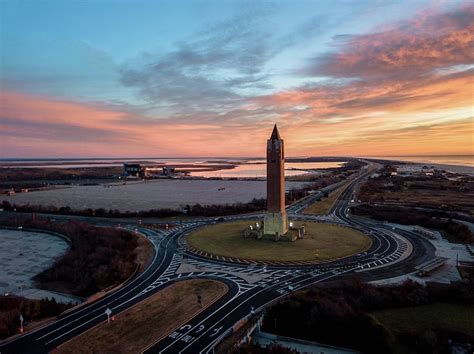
x,y
324,206
436,191
190,210
51,174
143,324
144,252
98,257
323,313
453,231
319,182
32,310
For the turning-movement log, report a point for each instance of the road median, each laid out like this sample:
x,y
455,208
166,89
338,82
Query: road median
x,y
148,321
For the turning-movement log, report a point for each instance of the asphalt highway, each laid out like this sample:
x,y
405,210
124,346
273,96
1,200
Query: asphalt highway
x,y
71,324
393,252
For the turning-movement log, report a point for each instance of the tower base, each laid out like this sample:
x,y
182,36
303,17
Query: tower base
x,y
275,224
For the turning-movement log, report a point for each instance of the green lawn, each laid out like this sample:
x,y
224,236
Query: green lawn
x,y
457,317
323,242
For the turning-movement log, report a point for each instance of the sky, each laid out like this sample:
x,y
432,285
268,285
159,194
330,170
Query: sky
x,y
134,78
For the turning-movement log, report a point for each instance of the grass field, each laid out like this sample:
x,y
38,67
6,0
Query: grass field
x,y
457,317
136,328
323,242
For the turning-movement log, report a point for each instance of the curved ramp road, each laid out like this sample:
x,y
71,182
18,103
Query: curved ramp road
x,y
251,287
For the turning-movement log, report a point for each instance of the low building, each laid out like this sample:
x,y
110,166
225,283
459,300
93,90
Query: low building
x,y
167,170
134,170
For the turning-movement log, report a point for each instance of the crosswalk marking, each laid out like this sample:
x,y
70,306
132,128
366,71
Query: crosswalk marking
x,y
272,276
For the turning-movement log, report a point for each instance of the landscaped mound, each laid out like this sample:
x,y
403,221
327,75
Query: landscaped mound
x,y
323,242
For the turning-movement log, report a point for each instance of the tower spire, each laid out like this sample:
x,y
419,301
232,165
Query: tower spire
x,y
275,134
276,220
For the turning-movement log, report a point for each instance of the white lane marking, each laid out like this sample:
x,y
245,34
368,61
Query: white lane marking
x,y
216,331
82,324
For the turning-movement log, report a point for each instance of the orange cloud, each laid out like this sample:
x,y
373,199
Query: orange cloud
x,y
53,128
409,49
38,126
450,138
412,92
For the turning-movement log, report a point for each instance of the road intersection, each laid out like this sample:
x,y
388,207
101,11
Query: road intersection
x,y
252,287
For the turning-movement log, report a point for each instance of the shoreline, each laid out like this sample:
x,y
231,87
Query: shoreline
x,y
157,194
29,288
461,169
426,160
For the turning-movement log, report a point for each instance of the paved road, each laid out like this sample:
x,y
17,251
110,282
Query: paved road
x,y
393,252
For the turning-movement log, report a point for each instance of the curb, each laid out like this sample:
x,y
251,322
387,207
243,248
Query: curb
x,y
209,256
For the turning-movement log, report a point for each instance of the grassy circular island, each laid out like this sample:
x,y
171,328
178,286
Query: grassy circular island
x,y
322,243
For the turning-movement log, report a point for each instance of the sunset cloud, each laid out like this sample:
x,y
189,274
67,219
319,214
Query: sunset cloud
x,y
411,79
335,83
44,126
409,49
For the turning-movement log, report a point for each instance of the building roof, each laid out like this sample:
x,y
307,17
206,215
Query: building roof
x,y
275,134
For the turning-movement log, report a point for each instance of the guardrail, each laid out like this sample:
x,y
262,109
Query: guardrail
x,y
427,267
237,325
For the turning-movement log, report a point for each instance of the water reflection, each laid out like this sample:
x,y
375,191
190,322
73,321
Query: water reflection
x,y
259,170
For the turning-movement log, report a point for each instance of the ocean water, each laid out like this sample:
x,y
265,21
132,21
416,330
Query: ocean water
x,y
260,170
460,160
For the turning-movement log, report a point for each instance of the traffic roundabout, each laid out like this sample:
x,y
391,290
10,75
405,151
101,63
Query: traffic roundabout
x,y
336,247
323,243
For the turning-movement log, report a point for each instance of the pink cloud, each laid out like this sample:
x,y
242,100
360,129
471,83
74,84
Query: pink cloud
x,y
429,41
39,126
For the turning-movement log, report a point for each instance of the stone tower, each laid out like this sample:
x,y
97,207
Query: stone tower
x,y
276,220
